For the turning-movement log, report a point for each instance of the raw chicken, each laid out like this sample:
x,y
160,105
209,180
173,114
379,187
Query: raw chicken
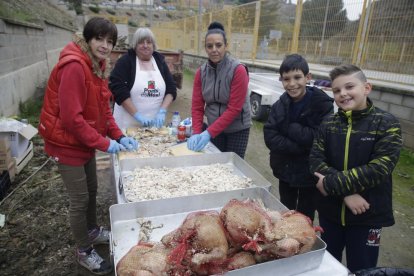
x,y
295,225
293,234
199,243
274,215
279,249
268,233
247,224
144,259
209,243
240,260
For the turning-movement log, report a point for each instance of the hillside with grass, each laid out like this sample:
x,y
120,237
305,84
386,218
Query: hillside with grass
x,y
138,16
36,12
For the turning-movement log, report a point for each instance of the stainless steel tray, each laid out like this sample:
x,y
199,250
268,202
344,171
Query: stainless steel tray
x,y
171,213
238,165
161,150
115,172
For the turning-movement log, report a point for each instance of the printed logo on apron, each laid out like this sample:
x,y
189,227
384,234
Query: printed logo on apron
x,y
151,91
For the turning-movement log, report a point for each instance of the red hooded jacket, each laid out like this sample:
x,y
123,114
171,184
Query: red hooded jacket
x,y
76,116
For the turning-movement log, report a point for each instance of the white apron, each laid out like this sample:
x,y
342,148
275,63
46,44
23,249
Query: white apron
x,y
147,95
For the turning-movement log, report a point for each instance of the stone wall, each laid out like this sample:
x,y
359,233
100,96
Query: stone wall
x,y
397,102
28,53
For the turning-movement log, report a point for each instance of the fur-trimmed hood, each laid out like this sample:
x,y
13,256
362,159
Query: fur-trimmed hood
x,y
80,48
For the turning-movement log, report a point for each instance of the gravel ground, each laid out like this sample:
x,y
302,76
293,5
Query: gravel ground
x,y
36,239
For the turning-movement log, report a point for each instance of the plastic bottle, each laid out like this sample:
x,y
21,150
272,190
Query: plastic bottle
x,y
176,119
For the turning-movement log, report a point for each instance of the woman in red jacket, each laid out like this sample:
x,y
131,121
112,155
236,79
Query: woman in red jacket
x,y
75,121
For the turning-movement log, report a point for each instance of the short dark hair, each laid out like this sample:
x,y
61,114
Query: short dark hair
x,y
100,27
294,62
347,69
216,28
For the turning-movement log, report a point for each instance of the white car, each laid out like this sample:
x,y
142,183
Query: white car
x,y
264,90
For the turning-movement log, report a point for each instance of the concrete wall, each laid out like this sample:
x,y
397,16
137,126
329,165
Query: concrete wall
x,y
192,62
401,105
27,55
397,102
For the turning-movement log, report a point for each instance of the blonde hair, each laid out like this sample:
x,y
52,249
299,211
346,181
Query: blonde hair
x,y
142,34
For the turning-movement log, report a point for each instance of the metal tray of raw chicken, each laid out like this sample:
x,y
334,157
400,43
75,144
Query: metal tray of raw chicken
x,y
156,142
165,177
165,215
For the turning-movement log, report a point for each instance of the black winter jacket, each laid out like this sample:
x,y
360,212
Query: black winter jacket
x,y
357,152
290,143
122,77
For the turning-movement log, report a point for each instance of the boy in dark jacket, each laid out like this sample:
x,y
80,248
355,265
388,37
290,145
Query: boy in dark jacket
x,y
353,156
289,131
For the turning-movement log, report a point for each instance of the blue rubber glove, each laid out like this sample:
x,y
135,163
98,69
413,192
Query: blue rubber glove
x,y
143,120
203,141
129,143
193,141
160,118
114,147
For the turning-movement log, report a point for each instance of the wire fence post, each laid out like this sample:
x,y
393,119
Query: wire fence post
x,y
323,30
229,19
296,27
256,30
365,33
198,28
359,42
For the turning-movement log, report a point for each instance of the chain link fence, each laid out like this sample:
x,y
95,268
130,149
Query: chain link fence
x,y
376,35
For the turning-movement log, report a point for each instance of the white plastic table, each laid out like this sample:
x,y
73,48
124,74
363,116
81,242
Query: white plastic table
x,y
329,267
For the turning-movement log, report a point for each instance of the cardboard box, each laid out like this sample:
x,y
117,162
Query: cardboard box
x,y
12,169
5,160
22,161
18,134
4,144
5,154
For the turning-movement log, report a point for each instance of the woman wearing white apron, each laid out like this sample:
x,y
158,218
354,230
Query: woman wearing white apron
x,y
142,84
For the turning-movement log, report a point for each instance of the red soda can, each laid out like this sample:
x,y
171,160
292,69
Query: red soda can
x,y
181,133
